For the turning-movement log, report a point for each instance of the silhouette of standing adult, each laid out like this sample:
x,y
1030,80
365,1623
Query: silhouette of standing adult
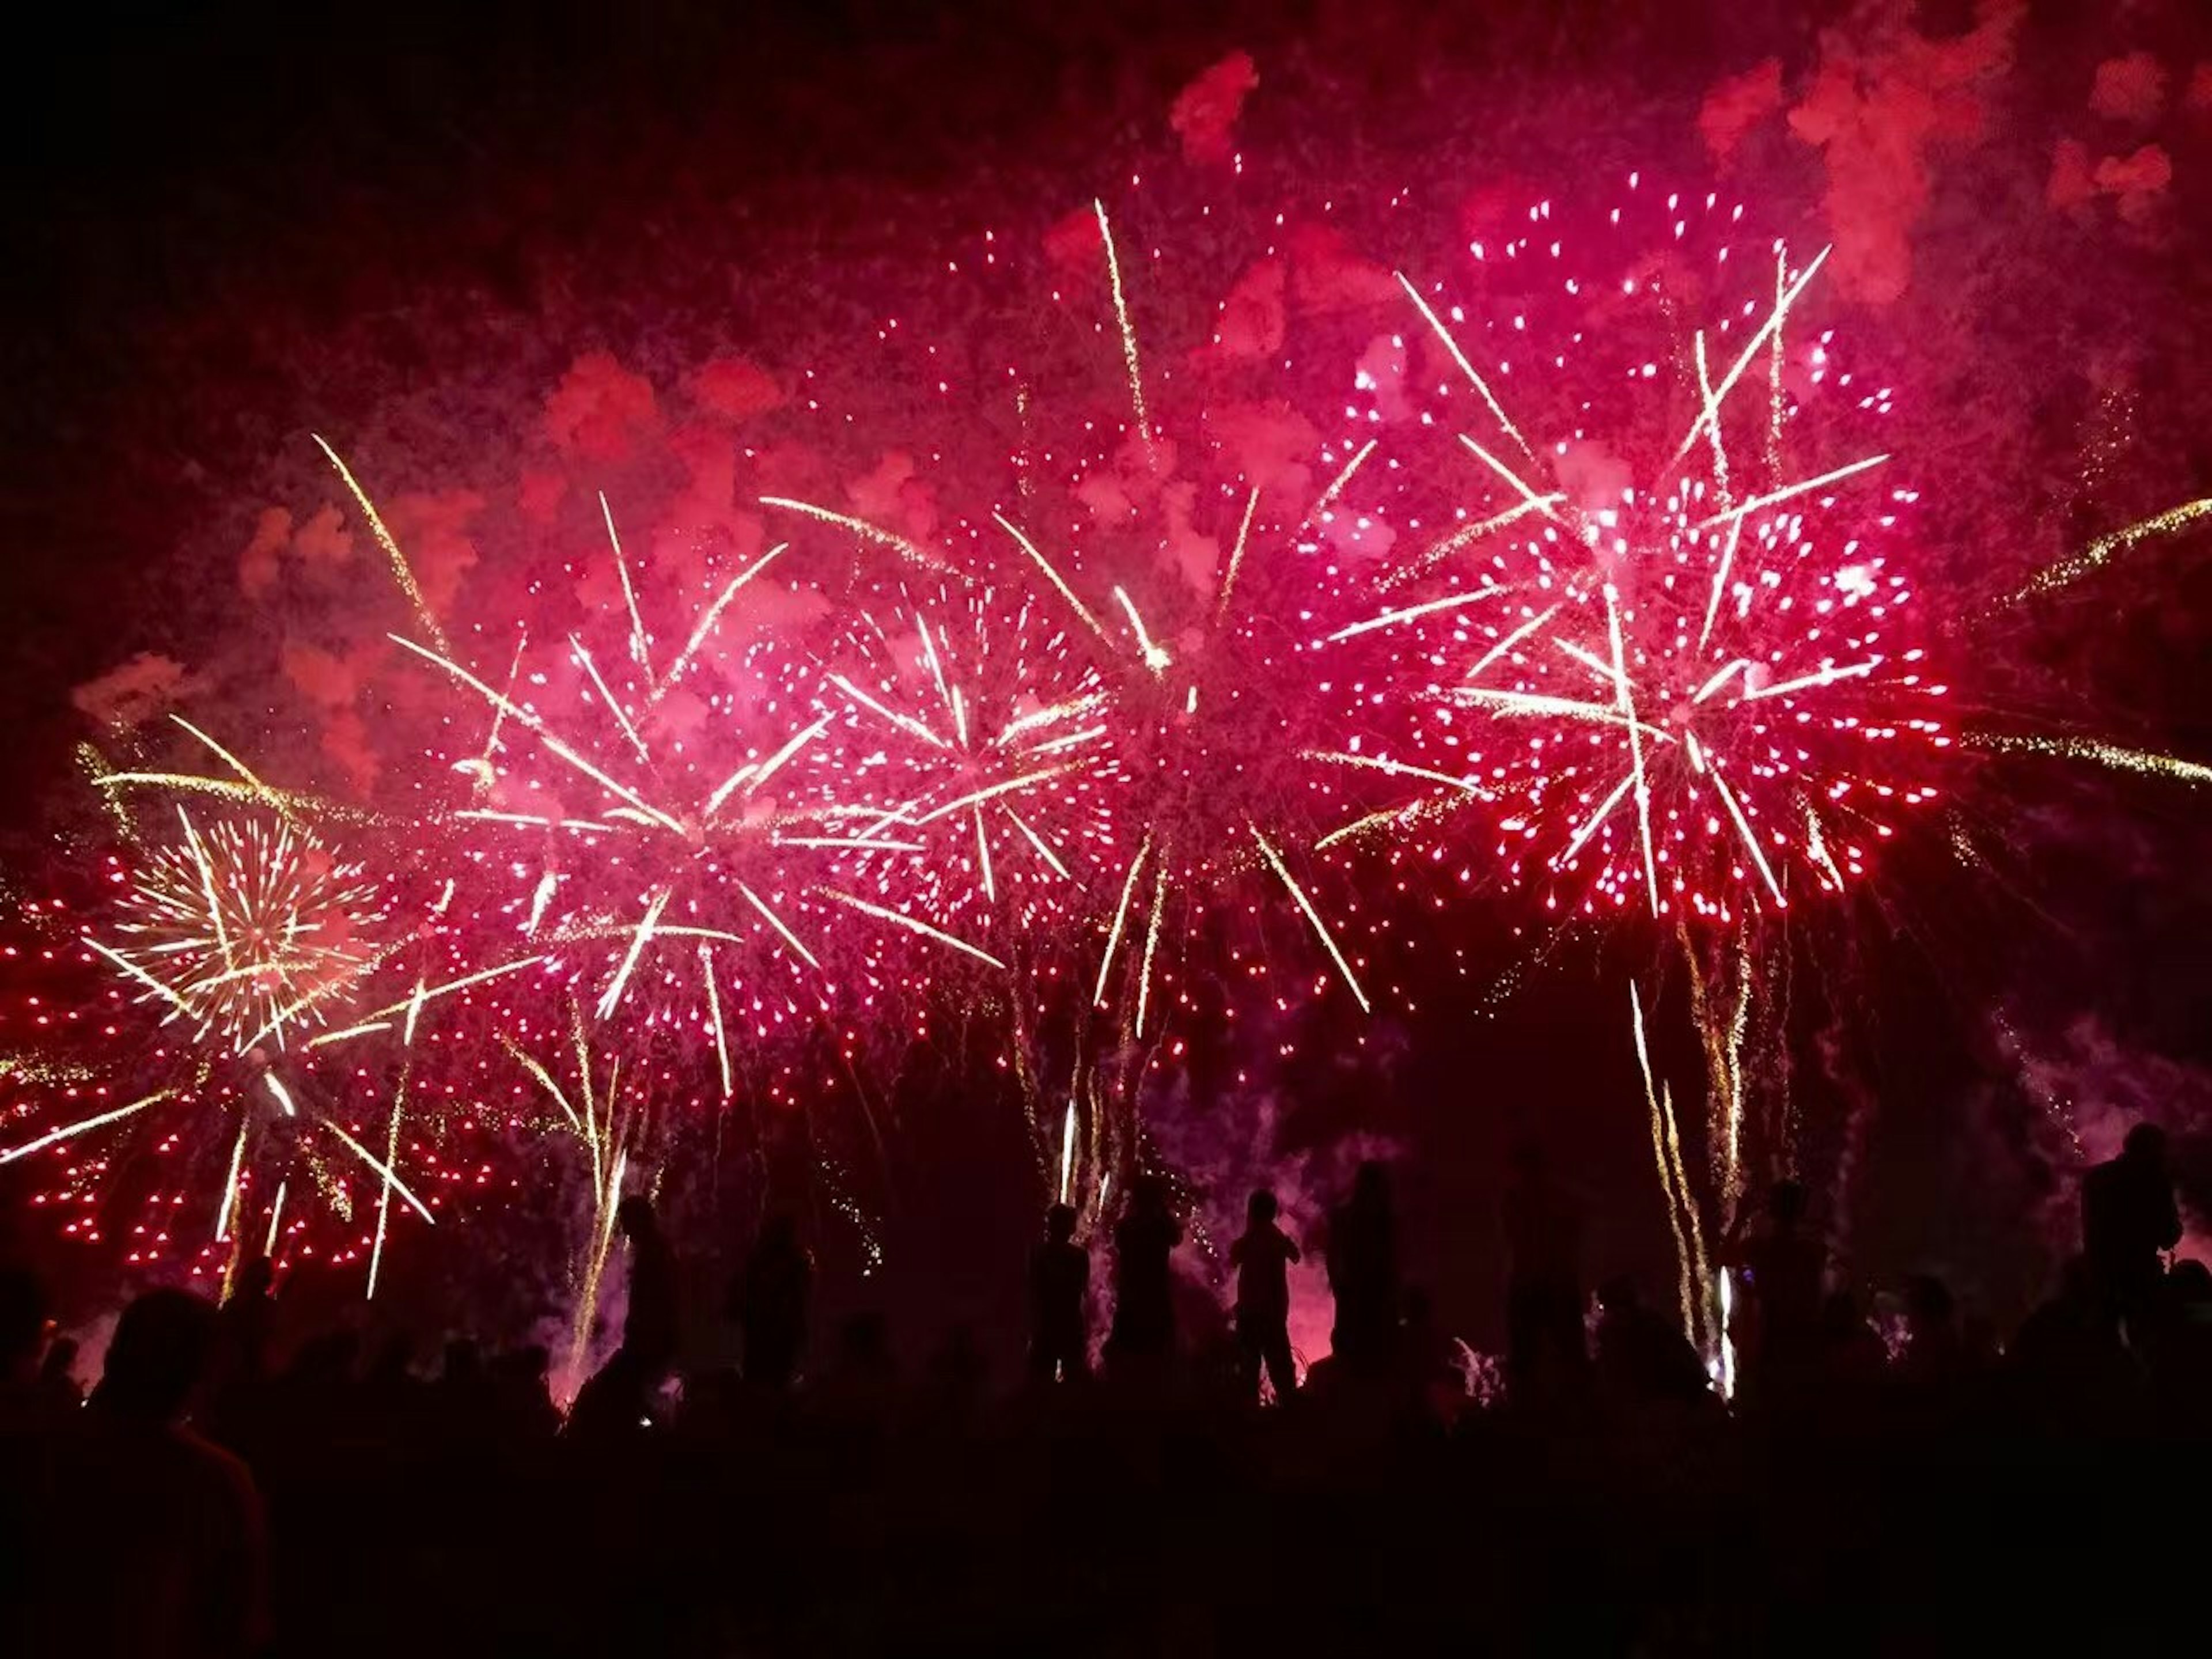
x,y
1363,1271
1144,1302
770,1301
1780,1310
2128,1219
622,1393
152,1542
1060,1278
1544,1292
1262,1257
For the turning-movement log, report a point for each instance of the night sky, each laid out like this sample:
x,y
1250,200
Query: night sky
x,y
245,224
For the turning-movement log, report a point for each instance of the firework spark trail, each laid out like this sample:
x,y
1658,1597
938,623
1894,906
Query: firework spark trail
x,y
1538,702
1505,645
2100,552
229,1204
384,1192
400,572
638,645
281,1094
1700,1273
706,621
544,734
1120,918
1750,841
1712,417
1411,613
1728,382
381,1169
1320,928
1628,703
1152,935
1326,499
612,998
530,1064
1436,325
274,799
1529,498
714,1013
1788,492
84,1126
614,706
1066,1150
1236,557
1465,536
1395,768
1666,1173
413,1001
2169,767
1156,659
1082,610
905,723
905,549
1128,333
275,1217
1037,841
913,924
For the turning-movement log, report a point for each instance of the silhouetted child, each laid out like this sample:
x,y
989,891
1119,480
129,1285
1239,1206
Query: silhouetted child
x,y
620,1395
1262,1258
2128,1221
1059,1278
1780,1311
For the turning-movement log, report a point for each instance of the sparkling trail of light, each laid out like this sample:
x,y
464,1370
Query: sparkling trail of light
x,y
1467,533
544,734
991,792
276,1217
400,572
382,1169
1665,1175
101,1120
1128,333
230,1182
482,976
905,723
1511,640
1326,499
1236,557
612,998
1410,613
1816,846
1152,935
1120,918
364,1028
1066,1150
714,1013
1072,709
135,972
1155,658
861,527
706,621
607,697
1529,498
913,923
1539,703
776,923
1750,350
530,1064
1804,486
262,792
384,1192
984,858
1037,841
1320,928
283,1096
1436,325
1699,1272
2100,552
1627,701
1395,768
1082,610
1750,841
1721,573
638,651
2171,767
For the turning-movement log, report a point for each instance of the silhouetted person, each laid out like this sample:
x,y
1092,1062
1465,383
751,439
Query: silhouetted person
x,y
1059,1280
1852,1358
1262,1257
58,1387
1144,1294
154,1538
1363,1271
22,1328
1778,1322
524,1400
620,1396
1643,1357
1544,1291
2069,1372
770,1297
2128,1220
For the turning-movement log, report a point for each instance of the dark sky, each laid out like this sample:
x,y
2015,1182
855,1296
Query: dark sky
x,y
246,221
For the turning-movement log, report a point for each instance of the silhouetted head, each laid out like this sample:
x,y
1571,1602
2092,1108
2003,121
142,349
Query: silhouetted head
x,y
61,1359
1928,1303
1839,1314
1059,1222
2145,1144
22,1318
1785,1203
1370,1186
157,1357
255,1277
1261,1208
634,1217
1619,1295
1148,1196
2190,1281
464,1360
779,1235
